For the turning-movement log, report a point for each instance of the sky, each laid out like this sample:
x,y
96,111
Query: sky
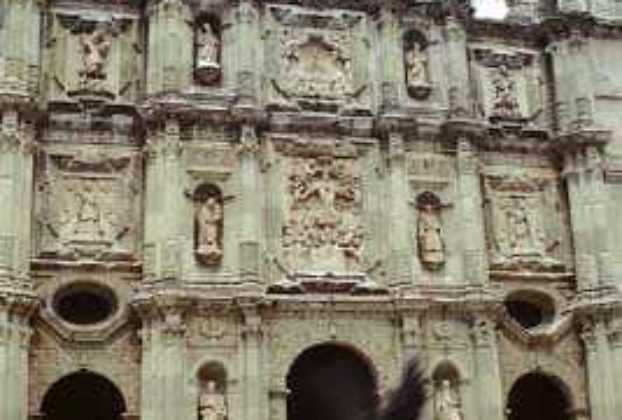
x,y
490,9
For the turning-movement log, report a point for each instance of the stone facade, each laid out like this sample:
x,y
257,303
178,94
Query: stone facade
x,y
195,192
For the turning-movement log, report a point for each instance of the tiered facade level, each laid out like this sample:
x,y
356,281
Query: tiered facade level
x,y
204,201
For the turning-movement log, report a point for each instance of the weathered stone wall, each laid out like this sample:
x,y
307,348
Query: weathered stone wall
x,y
230,183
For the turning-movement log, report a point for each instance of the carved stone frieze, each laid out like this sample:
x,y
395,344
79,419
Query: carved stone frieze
x,y
323,229
518,236
87,206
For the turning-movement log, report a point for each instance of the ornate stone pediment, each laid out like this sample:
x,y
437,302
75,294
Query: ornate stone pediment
x,y
87,204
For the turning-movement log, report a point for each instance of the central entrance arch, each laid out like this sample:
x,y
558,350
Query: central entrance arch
x,y
83,395
331,382
536,396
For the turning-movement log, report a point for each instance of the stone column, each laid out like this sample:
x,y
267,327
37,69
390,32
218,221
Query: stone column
x,y
15,333
457,68
615,339
22,23
163,208
487,376
470,203
391,59
251,207
163,382
585,262
247,24
583,172
401,257
16,172
255,383
599,370
171,46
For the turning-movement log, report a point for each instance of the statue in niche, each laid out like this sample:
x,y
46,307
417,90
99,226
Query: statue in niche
x,y
417,66
212,403
522,234
429,232
207,53
210,226
505,103
417,69
446,404
95,47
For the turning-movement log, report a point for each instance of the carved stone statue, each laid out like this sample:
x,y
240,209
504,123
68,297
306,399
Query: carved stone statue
x,y
95,48
446,405
209,223
417,71
505,96
522,235
207,54
417,66
212,403
430,235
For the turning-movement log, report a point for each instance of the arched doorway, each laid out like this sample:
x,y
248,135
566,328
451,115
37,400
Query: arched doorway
x,y
83,395
536,396
331,382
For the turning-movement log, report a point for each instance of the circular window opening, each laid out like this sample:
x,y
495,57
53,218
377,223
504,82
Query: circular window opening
x,y
530,309
85,303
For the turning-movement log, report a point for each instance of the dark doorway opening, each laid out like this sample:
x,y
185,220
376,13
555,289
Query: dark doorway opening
x,y
83,395
538,397
331,382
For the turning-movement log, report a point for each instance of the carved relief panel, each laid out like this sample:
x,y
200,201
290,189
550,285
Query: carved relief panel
x,y
317,58
510,85
87,205
94,58
323,228
524,220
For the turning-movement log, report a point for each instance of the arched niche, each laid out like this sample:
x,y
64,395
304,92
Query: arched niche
x,y
212,401
331,382
83,395
539,396
416,65
207,49
430,237
209,224
447,399
213,371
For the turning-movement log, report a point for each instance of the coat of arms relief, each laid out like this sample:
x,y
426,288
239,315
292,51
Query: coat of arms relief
x,y
86,207
314,61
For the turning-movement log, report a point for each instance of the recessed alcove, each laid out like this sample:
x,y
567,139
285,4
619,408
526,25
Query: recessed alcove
x,y
530,309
